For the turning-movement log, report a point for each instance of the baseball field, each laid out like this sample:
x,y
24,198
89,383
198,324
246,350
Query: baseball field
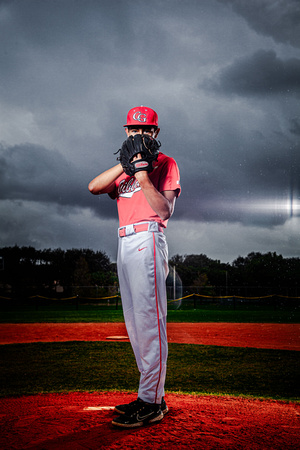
x,y
230,385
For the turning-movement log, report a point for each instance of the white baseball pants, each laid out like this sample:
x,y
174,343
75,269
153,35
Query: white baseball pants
x,y
142,270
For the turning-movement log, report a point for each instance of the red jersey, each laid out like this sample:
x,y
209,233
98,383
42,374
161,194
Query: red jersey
x,y
132,204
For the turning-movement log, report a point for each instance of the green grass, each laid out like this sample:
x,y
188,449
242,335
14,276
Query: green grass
x,y
95,366
61,316
235,316
94,314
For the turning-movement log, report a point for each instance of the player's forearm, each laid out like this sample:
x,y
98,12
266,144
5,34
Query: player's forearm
x,y
104,183
158,202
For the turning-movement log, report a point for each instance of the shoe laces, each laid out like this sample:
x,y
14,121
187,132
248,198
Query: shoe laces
x,y
139,405
133,406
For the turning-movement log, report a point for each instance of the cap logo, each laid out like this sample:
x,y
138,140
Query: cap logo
x,y
139,116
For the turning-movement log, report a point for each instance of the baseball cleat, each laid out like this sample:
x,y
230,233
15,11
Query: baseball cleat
x,y
139,413
163,406
121,409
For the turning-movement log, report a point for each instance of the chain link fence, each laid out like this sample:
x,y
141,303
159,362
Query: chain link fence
x,y
178,296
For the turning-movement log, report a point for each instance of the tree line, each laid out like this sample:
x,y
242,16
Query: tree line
x,y
25,269
255,274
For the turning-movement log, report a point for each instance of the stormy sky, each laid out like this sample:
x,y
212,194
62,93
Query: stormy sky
x,y
224,78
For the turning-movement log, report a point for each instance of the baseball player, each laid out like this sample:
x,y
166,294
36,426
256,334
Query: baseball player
x,y
145,184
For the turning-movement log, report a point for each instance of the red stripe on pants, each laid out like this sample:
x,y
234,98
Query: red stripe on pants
x,y
157,311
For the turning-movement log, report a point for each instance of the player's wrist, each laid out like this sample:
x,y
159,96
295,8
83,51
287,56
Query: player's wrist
x,y
141,176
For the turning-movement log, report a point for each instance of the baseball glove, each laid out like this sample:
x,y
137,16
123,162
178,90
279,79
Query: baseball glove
x,y
142,144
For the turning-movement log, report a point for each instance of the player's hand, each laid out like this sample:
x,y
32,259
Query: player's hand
x,y
136,157
138,153
142,174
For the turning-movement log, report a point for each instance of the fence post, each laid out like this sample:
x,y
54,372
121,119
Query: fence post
x,y
117,301
275,302
77,302
234,302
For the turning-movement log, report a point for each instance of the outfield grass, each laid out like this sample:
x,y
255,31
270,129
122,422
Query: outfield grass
x,y
93,314
95,366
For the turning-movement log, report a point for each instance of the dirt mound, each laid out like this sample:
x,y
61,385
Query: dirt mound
x,y
83,421
78,421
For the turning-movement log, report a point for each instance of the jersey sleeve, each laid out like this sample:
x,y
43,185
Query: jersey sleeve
x,y
170,177
113,195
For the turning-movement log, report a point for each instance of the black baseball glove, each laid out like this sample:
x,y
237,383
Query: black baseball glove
x,y
142,144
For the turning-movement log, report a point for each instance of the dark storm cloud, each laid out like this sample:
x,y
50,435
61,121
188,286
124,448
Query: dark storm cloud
x,y
71,70
279,19
44,42
237,191
56,46
295,126
262,73
33,173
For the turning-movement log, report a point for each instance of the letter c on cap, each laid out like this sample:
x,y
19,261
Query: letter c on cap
x,y
139,116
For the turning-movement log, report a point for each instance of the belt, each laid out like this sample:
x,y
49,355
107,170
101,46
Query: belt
x,y
138,227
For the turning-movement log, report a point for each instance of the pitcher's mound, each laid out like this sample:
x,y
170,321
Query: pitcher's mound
x,y
83,421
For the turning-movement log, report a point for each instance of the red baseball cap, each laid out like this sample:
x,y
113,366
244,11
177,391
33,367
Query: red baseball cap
x,y
142,116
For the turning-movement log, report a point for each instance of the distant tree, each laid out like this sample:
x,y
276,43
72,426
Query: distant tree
x,y
269,271
202,285
81,275
108,278
27,267
189,267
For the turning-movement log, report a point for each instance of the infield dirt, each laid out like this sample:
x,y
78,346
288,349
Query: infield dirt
x,y
256,335
80,421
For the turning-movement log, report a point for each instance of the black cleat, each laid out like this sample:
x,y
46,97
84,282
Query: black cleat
x,y
121,409
139,413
